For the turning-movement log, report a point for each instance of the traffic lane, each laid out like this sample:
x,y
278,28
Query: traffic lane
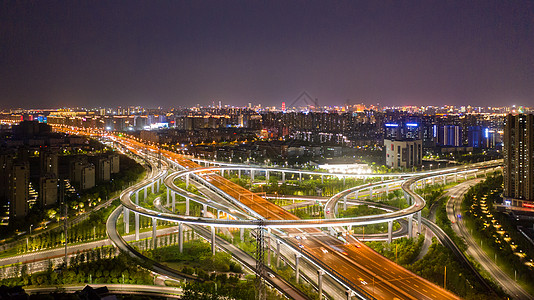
x,y
330,285
406,279
379,269
357,276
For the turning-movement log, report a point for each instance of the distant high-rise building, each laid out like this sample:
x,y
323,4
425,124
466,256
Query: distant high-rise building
x,y
19,190
519,159
102,169
114,161
82,174
48,162
475,137
403,153
48,186
87,177
450,135
403,143
6,164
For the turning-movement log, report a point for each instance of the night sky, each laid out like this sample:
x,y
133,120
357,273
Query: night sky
x,y
180,53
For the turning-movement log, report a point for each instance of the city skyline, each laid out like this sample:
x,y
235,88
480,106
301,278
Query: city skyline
x,y
181,54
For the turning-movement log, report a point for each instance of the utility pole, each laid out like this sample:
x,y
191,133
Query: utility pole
x,y
445,278
62,200
66,239
261,292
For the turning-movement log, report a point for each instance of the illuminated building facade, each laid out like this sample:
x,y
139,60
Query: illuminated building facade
x,y
519,160
403,143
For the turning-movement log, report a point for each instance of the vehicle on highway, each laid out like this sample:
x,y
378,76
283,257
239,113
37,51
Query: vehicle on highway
x,y
324,250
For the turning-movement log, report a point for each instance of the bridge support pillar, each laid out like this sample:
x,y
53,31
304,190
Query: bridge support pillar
x,y
239,174
349,294
242,235
154,229
300,177
322,179
146,192
137,198
173,196
157,185
136,216
187,206
283,177
187,181
419,223
152,187
407,197
387,189
371,192
345,202
278,243
268,247
251,176
444,179
181,237
168,196
410,226
344,178
297,271
267,176
213,240
455,177
390,231
320,274
356,195
205,210
126,219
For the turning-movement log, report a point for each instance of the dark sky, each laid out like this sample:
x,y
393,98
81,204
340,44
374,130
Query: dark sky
x,y
180,53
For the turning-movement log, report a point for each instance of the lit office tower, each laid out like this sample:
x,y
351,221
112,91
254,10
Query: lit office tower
x,y
519,159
